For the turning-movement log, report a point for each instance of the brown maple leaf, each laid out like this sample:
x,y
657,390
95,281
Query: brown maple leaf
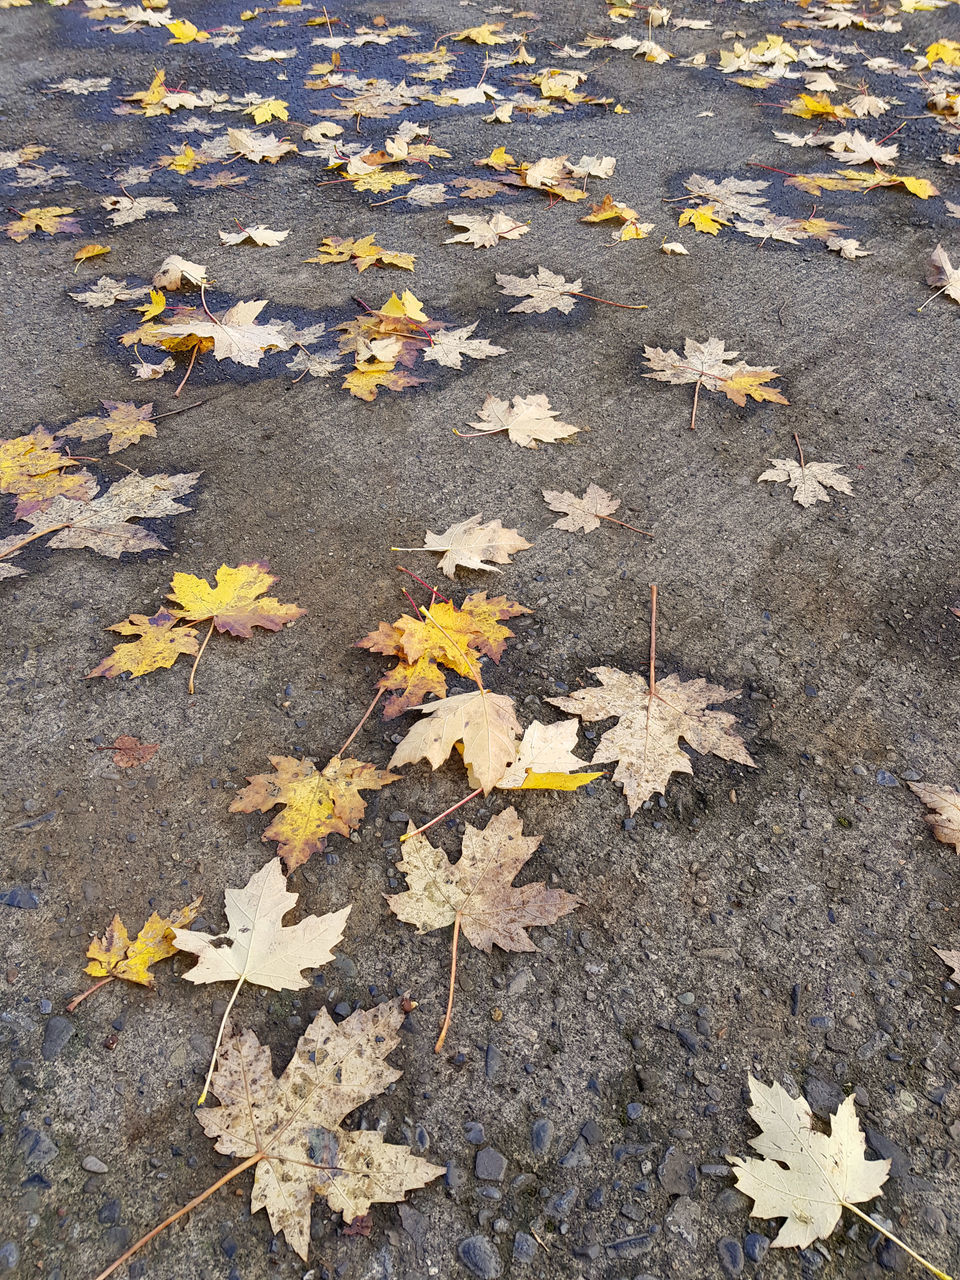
x,y
130,752
477,894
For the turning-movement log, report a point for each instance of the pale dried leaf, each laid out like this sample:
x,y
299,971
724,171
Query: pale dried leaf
x,y
472,544
944,820
527,420
809,482
581,515
485,723
449,346
541,292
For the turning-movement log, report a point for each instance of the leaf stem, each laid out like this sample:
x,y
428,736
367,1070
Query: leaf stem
x,y
941,1275
363,720
613,520
135,1248
213,1058
183,381
193,670
653,640
440,816
696,397
625,306
90,990
433,590
10,551
453,974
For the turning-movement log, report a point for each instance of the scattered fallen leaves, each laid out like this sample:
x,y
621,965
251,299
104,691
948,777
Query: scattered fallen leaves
x,y
32,468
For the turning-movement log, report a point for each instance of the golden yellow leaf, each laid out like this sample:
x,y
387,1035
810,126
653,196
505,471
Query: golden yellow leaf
x,y
383,180
264,112
610,208
233,604
160,642
116,956
32,467
947,51
498,159
182,161
364,253
50,218
406,306
91,251
156,305
705,219
183,32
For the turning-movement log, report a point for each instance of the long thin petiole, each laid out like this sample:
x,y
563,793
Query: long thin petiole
x,y
32,538
183,380
135,1248
625,306
453,975
193,670
433,590
613,520
89,992
941,1275
440,816
363,721
213,1057
696,397
653,639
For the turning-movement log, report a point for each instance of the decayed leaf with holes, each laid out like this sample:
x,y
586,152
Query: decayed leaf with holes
x,y
257,147
234,604
942,275
257,946
174,271
160,642
541,292
951,958
445,636
646,739
472,545
364,253
804,1175
127,209
130,752
257,234
527,420
115,955
809,482
317,803
293,1123
545,761
100,524
32,468
581,515
708,364
485,723
106,292
124,422
233,335
449,346
944,818
484,233
53,219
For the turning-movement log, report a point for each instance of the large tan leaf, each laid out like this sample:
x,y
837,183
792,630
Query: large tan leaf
x,y
472,544
527,420
257,947
808,480
543,291
235,334
485,723
292,1125
803,1175
479,887
646,739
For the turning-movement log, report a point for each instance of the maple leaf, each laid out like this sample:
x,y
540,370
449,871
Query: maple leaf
x,y
804,1175
257,234
809,480
271,109
581,515
705,219
52,219
185,160
365,253
708,365
233,335
471,544
91,251
425,194
545,760
854,148
733,197
484,233
233,604
847,248
106,292
127,209
477,188
529,419
449,346
944,820
369,375
476,893
488,33
942,275
82,87
610,208
115,955
160,642
291,1127
485,723
174,271
646,739
810,105
125,423
32,467
100,523
318,803
541,292
258,147
130,752
444,636
383,180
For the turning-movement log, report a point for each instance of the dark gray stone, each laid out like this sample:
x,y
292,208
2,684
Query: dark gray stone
x,y
755,1246
731,1256
480,1257
9,1255
25,899
577,1156
55,1036
109,1213
37,1147
541,1136
491,1165
524,1249
677,1173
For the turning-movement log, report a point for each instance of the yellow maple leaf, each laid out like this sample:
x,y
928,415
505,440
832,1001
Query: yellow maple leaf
x,y
705,219
115,955
498,159
947,51
383,180
749,382
406,306
610,208
369,375
182,161
155,306
160,642
264,112
90,251
32,468
485,34
365,253
233,604
920,187
50,218
183,32
809,105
